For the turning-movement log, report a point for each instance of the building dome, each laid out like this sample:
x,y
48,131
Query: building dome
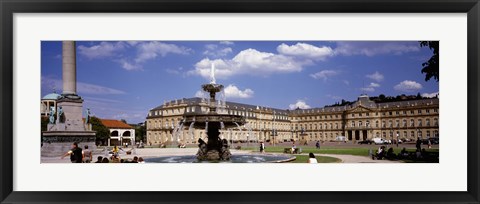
x,y
52,96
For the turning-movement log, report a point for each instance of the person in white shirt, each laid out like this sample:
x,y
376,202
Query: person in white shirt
x,y
312,158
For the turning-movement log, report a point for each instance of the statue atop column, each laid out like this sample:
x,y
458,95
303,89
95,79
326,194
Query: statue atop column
x,y
61,116
52,115
87,116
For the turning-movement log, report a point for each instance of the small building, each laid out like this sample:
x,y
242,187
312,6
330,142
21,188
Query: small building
x,y
48,101
121,134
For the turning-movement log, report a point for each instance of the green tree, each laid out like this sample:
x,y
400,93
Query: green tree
x,y
430,67
140,132
102,133
419,96
381,97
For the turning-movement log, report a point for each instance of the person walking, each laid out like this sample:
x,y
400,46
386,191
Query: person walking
x,y
75,153
262,147
317,145
419,144
87,155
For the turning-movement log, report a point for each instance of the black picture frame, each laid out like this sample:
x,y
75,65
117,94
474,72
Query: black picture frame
x,y
10,7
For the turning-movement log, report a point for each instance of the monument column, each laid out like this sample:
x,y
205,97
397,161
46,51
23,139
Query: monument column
x,y
61,134
69,68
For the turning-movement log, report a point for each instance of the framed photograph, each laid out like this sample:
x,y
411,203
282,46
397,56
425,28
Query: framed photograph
x,y
252,102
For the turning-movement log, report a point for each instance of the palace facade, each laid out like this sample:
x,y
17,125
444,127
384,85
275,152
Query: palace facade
x,y
362,120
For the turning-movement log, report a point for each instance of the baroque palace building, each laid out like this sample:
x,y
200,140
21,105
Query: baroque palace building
x,y
362,120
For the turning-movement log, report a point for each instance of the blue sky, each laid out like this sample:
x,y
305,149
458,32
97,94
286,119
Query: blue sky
x,y
125,79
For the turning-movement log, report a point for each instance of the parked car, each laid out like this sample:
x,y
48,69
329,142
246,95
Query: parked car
x,y
366,142
340,138
378,140
433,140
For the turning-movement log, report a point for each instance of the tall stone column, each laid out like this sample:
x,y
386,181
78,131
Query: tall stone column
x,y
69,68
60,136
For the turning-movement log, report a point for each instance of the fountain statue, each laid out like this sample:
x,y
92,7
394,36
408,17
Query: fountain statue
x,y
214,148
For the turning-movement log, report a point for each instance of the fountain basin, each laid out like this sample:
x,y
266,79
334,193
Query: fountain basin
x,y
236,158
201,119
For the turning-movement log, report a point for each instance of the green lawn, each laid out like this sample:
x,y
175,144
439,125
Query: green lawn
x,y
320,159
360,151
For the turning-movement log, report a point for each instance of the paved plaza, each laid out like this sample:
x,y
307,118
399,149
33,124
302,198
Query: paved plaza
x,y
157,152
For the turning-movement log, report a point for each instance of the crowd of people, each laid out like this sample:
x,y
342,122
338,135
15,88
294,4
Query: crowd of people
x,y
117,159
419,154
79,155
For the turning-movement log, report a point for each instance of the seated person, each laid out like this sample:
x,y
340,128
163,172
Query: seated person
x,y
390,153
380,152
99,159
404,152
418,154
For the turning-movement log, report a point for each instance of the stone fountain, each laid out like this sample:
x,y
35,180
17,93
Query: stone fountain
x,y
212,121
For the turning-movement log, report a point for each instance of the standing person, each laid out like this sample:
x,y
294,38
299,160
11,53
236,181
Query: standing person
x,y
87,155
312,159
293,147
419,144
317,145
262,147
75,153
429,144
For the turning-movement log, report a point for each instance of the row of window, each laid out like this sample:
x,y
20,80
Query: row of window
x,y
367,124
413,134
367,114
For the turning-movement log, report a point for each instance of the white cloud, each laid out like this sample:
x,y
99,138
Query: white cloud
x,y
82,88
227,43
324,74
376,76
231,91
368,89
128,66
299,104
153,49
305,50
408,86
346,82
430,95
215,51
102,50
375,48
145,51
249,61
374,85
371,87
200,94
